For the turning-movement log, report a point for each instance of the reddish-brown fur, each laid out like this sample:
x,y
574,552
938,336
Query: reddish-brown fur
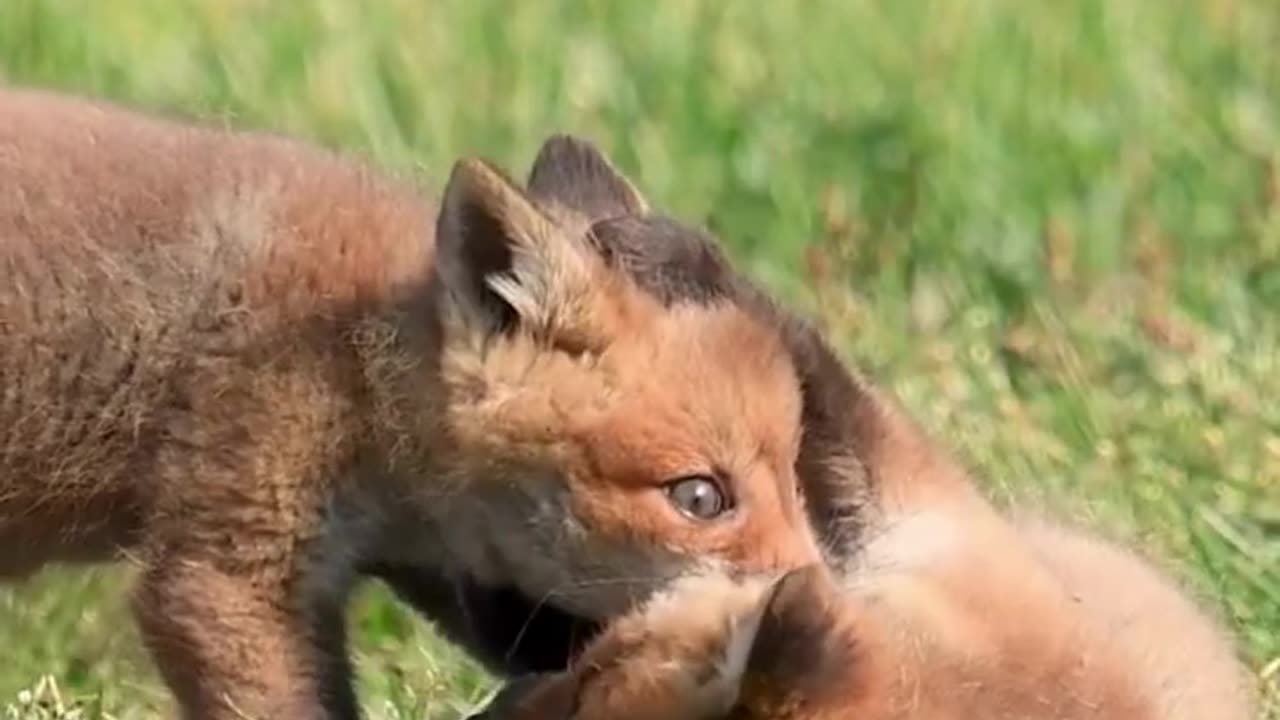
x,y
259,370
951,643
935,606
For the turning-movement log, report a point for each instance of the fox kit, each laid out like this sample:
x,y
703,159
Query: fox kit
x,y
260,371
934,605
807,647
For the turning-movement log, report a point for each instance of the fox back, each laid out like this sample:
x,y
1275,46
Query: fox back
x,y
134,253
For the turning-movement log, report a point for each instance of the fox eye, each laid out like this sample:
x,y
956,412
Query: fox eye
x,y
698,496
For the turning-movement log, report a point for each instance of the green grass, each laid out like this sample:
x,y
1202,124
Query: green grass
x,y
1052,227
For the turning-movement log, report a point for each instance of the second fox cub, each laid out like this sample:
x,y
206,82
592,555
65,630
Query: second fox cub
x,y
808,647
259,371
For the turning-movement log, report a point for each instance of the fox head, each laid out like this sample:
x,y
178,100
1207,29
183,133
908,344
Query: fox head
x,y
598,436
709,648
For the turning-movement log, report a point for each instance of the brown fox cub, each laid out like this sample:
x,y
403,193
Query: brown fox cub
x,y
260,371
807,648
936,605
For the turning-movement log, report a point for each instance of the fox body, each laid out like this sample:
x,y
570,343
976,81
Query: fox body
x,y
260,371
931,605
1087,633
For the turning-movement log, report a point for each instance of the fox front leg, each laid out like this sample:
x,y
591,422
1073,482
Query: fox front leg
x,y
234,647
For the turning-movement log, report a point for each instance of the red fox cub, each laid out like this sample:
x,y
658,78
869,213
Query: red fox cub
x,y
260,371
915,648
934,606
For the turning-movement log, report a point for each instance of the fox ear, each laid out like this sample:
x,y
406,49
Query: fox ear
x,y
502,261
791,615
574,173
753,630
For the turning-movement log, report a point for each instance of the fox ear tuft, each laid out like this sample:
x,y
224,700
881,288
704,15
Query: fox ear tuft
x,y
500,258
576,174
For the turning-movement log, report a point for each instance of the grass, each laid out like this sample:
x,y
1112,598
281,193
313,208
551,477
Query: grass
x,y
1052,227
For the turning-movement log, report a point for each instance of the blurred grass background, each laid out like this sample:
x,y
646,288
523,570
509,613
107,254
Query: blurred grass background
x,y
1052,227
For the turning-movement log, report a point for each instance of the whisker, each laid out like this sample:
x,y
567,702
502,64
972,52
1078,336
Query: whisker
x,y
524,627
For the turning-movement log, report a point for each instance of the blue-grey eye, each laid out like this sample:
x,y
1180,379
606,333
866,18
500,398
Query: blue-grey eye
x,y
698,496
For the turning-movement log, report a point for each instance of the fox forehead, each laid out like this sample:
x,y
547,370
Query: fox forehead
x,y
706,377
710,377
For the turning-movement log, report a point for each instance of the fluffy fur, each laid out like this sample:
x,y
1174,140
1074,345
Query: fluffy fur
x,y
261,371
931,605
1088,634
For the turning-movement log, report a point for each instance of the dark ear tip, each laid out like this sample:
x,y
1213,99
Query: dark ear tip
x,y
562,153
576,173
476,181
468,170
461,178
565,143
